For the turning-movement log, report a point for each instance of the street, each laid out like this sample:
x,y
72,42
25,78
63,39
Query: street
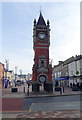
x,y
59,102
17,105
30,107
52,107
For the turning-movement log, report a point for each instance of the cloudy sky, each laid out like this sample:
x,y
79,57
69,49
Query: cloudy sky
x,y
17,31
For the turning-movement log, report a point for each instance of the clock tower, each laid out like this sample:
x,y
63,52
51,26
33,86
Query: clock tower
x,y
42,70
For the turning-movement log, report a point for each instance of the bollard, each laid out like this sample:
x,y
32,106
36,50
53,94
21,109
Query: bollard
x,y
23,89
60,91
28,91
63,89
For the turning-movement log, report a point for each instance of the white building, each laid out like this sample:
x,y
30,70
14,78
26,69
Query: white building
x,y
69,71
75,70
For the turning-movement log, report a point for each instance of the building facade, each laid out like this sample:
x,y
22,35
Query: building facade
x,y
57,73
69,71
1,73
42,70
75,70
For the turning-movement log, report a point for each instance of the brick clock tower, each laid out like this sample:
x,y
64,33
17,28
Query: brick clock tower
x,y
42,70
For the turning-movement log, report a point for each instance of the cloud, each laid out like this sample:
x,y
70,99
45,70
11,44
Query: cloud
x,y
17,40
65,31
22,62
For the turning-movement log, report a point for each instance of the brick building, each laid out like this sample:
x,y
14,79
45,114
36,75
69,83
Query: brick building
x,y
1,73
42,70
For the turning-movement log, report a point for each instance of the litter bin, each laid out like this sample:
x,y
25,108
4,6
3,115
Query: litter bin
x,y
14,89
57,88
75,88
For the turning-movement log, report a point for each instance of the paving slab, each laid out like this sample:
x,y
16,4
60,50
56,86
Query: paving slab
x,y
51,114
12,104
14,95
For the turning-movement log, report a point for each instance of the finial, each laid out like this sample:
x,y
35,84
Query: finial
x,y
40,9
48,22
34,22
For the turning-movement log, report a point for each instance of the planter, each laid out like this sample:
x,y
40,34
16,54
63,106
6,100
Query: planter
x,y
75,88
57,89
14,89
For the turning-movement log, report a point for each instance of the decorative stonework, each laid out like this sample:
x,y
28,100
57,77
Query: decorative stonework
x,y
42,70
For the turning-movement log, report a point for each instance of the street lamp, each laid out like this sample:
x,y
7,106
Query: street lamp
x,y
15,74
20,74
6,67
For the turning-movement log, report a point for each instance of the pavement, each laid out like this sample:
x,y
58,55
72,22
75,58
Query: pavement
x,y
51,114
12,105
67,91
6,92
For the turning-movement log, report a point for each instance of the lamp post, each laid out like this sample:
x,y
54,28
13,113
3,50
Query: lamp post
x,y
15,74
6,68
20,74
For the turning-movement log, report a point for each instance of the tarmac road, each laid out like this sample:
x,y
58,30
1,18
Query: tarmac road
x,y
52,103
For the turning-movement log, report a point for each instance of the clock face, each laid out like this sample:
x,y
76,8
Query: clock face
x,y
42,79
42,35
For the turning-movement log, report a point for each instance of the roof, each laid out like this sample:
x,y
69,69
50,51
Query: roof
x,y
69,60
78,57
41,20
1,63
23,75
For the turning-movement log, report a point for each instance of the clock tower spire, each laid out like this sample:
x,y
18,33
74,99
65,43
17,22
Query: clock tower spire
x,y
41,20
42,70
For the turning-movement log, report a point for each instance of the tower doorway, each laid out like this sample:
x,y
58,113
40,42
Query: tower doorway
x,y
42,80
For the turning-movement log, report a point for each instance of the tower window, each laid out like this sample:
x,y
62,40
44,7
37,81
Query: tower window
x,y
42,63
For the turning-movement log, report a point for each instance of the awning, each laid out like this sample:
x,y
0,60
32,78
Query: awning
x,y
62,78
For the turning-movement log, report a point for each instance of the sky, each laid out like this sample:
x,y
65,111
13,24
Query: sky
x,y
17,31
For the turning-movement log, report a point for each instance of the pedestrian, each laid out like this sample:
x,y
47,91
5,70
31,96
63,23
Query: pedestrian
x,y
28,91
9,82
5,83
28,88
28,84
71,85
63,87
23,89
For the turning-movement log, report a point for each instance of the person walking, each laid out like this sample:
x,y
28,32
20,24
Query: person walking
x,y
28,88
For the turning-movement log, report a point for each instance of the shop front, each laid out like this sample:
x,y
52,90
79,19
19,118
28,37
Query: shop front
x,y
61,81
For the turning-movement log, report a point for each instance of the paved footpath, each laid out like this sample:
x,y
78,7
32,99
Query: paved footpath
x,y
51,114
44,114
12,104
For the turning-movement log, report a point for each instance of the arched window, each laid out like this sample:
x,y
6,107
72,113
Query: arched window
x,y
42,63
